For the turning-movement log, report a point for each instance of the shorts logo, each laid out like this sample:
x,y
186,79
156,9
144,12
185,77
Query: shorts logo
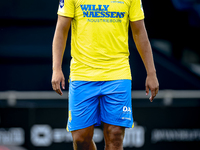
x,y
126,109
61,3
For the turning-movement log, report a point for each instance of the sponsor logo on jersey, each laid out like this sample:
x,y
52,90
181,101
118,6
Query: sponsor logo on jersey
x,y
61,3
117,1
100,11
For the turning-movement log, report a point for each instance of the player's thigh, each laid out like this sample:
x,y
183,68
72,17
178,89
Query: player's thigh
x,y
113,132
116,104
84,134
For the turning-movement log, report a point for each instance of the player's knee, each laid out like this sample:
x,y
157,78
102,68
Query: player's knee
x,y
83,141
115,136
114,143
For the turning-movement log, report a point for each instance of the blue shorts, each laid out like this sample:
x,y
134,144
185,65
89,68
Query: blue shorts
x,y
91,102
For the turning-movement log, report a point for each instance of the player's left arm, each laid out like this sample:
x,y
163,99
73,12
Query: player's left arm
x,y
144,48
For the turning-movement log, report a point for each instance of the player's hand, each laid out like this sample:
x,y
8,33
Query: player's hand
x,y
153,85
57,80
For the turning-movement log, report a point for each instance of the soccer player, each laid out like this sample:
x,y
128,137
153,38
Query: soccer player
x,y
100,76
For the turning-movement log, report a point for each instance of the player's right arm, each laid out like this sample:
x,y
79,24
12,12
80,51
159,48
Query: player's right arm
x,y
58,48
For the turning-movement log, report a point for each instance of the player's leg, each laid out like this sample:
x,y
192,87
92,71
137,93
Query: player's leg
x,y
116,112
83,113
82,139
113,136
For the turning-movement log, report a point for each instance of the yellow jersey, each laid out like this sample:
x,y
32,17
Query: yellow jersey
x,y
99,42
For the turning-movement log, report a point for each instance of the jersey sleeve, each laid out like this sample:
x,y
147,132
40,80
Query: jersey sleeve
x,y
66,8
136,11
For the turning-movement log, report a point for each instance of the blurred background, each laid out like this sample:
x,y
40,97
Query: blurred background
x,y
33,117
